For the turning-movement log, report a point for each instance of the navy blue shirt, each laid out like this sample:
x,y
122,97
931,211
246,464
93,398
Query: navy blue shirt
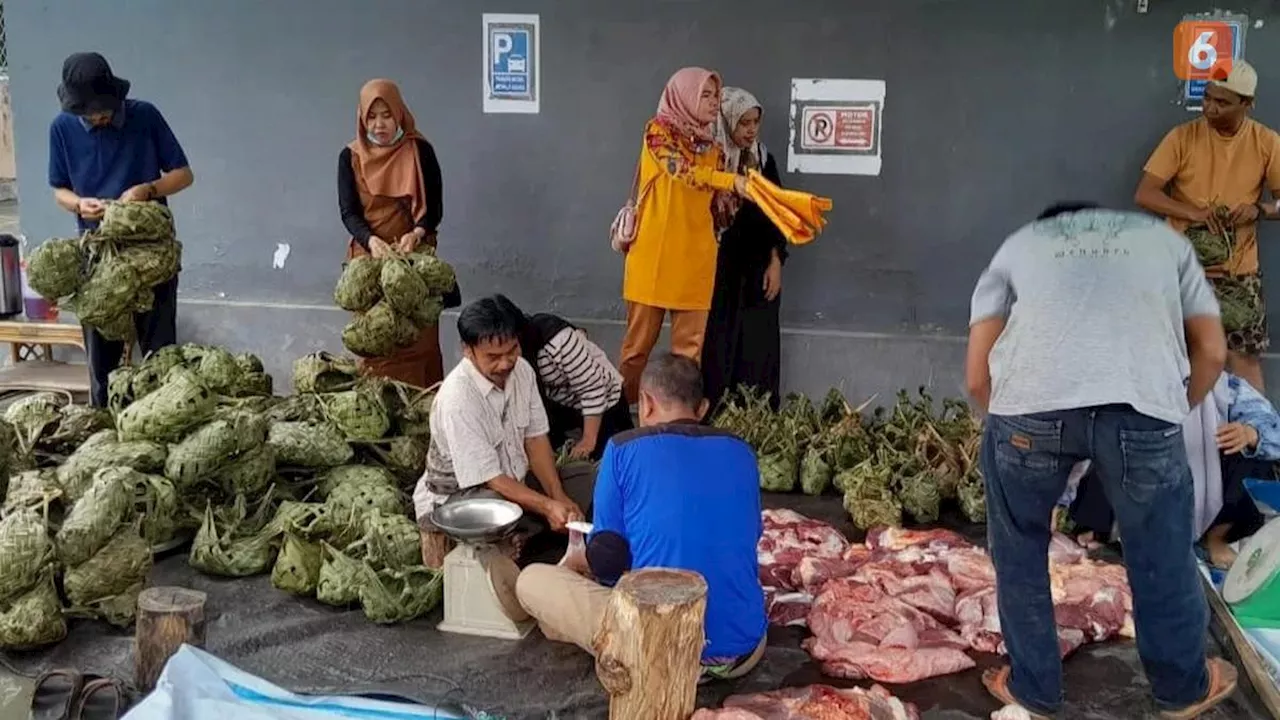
x,y
687,496
104,162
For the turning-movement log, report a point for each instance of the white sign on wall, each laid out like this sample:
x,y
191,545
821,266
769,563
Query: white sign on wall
x,y
512,63
836,126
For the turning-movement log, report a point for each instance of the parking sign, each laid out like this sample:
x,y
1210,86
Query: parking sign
x,y
511,60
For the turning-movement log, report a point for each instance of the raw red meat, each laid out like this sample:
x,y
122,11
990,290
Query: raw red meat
x,y
787,608
889,538
815,702
860,631
788,538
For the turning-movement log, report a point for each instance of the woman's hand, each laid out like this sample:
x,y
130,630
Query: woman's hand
x,y
740,185
1236,437
773,278
378,247
408,242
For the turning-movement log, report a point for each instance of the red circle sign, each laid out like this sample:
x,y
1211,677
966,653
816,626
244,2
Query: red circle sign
x,y
820,127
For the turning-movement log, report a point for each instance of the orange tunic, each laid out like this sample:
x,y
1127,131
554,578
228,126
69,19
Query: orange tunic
x,y
672,263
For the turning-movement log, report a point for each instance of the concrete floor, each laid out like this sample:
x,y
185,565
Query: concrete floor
x,y
9,217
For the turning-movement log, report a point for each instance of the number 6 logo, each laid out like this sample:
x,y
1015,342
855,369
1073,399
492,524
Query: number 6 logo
x,y
1202,50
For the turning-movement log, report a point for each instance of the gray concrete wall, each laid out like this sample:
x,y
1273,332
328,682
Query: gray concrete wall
x,y
994,109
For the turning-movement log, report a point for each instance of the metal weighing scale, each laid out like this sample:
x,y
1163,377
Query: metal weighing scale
x,y
479,581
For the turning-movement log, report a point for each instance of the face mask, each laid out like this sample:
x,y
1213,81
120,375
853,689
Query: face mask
x,y
399,134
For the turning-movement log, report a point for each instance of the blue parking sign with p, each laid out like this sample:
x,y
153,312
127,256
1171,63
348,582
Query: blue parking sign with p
x,y
511,64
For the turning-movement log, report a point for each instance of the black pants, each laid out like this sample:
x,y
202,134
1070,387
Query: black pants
x,y
564,420
156,328
1091,511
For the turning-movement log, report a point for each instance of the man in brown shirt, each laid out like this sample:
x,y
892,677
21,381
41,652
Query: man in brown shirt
x,y
1223,159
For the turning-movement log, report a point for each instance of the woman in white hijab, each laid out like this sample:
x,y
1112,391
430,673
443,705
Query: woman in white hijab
x,y
743,342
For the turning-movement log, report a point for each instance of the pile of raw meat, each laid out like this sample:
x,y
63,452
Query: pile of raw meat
x,y
910,604
815,701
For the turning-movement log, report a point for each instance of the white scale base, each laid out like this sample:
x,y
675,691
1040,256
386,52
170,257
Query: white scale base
x,y
470,605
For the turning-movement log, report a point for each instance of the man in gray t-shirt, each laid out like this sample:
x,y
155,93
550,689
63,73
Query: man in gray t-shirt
x,y
1092,334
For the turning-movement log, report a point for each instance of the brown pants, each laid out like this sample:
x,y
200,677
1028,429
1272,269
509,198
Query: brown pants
x,y
570,607
644,324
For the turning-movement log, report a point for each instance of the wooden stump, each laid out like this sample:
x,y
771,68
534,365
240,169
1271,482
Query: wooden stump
x,y
649,646
167,618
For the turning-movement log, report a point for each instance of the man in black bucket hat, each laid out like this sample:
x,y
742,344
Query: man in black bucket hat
x,y
104,146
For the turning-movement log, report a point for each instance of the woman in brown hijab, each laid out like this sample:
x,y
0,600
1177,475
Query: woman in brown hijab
x,y
389,191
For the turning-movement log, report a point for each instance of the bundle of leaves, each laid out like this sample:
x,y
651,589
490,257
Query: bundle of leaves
x,y
437,275
388,541
10,458
297,567
156,501
1238,303
31,416
55,270
25,551
108,299
170,412
75,425
405,457
869,498
150,375
135,222
1213,248
360,285
103,450
402,288
235,541
306,520
394,596
32,489
33,618
350,503
321,372
216,367
353,475
214,445
249,473
340,578
95,517
308,444
359,413
379,332
107,584
297,408
153,262
412,409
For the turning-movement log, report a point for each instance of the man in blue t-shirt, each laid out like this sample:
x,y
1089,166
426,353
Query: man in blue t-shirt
x,y
673,494
103,147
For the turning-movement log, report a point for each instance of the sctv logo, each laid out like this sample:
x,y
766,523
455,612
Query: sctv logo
x,y
1203,50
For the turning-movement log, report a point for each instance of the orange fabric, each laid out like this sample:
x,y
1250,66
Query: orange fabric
x,y
644,324
672,263
799,215
392,174
420,364
1204,168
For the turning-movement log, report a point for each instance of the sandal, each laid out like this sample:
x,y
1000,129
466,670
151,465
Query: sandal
x,y
996,680
55,693
1222,682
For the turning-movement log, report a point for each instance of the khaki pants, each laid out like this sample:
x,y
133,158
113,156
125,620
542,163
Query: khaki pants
x,y
570,607
644,324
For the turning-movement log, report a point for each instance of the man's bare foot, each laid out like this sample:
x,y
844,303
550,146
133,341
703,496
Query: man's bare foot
x,y
1220,554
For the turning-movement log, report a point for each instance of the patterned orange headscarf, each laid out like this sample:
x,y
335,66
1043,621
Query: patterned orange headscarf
x,y
391,170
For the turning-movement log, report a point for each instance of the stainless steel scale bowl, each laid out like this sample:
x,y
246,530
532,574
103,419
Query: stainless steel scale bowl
x,y
477,520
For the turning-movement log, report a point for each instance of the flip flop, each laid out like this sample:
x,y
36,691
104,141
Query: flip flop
x,y
1222,682
996,680
101,699
55,694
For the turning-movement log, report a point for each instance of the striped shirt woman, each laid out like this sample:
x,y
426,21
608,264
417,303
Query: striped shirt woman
x,y
581,389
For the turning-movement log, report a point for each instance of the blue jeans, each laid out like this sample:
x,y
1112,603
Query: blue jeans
x,y
1141,463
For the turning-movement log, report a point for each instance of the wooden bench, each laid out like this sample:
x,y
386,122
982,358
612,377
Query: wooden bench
x,y
31,356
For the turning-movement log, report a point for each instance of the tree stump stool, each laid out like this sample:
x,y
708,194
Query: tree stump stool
x,y
167,618
649,646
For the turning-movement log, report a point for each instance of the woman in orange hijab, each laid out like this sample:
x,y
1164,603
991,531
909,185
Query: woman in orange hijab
x,y
390,194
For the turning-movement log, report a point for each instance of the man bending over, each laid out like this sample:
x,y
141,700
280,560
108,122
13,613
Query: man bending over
x,y
674,494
